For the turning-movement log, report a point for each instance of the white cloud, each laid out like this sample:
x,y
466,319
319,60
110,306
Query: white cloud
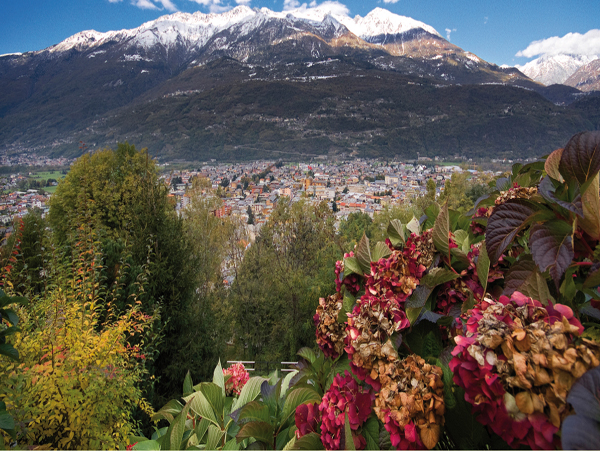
x,y
114,1
168,5
485,20
391,1
215,6
332,7
572,43
448,32
243,2
144,4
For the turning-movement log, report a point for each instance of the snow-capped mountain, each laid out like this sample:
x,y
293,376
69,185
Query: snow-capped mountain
x,y
586,78
246,68
554,69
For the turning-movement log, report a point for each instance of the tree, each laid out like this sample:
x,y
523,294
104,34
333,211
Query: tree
x,y
120,193
282,276
352,229
250,215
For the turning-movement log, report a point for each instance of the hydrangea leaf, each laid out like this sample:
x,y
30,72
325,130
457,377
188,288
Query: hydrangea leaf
x,y
371,433
552,165
363,254
299,396
259,430
590,222
309,441
381,251
351,266
188,385
250,391
218,378
483,266
414,226
395,232
552,247
580,159
440,231
505,222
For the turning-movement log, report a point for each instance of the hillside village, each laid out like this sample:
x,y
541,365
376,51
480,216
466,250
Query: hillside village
x,y
358,185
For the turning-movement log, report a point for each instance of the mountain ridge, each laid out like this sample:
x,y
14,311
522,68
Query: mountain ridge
x,y
53,98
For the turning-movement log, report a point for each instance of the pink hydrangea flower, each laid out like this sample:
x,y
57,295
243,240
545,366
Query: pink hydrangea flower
x,y
239,377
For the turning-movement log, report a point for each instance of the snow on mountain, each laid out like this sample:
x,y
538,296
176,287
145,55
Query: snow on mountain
x,y
195,30
586,78
549,70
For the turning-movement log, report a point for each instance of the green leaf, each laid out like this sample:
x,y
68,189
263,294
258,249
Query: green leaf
x,y
363,254
215,396
299,396
188,385
395,232
351,266
348,441
432,344
483,266
201,406
168,411
6,420
178,428
201,428
215,434
593,279
251,390
568,288
462,240
259,430
231,445
218,377
290,445
8,350
347,306
552,247
461,259
504,224
413,314
414,226
468,304
253,411
309,441
282,438
147,445
381,251
438,276
308,354
371,433
286,382
440,231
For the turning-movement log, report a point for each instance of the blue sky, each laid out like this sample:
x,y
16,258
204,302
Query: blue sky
x,y
495,31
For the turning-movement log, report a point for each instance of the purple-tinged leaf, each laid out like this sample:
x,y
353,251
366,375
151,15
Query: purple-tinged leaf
x,y
504,224
588,310
525,277
580,159
552,165
503,184
259,430
580,433
548,192
552,247
584,396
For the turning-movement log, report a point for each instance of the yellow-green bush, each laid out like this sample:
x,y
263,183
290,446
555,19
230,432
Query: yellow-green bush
x,y
77,382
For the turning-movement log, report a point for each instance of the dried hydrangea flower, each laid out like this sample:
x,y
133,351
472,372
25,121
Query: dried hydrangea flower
x,y
370,326
344,397
516,192
330,333
517,363
239,377
411,402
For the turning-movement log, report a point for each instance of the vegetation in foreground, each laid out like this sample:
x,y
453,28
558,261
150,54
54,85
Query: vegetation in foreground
x,y
460,330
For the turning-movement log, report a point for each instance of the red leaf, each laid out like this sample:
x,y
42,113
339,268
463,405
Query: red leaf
x,y
580,159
